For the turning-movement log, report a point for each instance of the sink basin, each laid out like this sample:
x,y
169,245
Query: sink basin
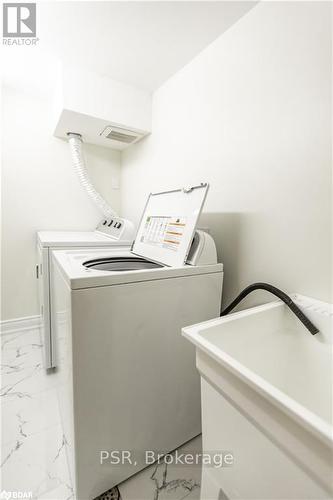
x,y
264,374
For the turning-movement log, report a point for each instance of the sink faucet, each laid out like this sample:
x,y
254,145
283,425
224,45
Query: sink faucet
x,y
278,293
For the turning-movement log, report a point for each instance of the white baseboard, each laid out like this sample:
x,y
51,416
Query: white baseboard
x,y
20,324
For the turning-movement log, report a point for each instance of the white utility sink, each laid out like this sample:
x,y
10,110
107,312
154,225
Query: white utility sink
x,y
267,398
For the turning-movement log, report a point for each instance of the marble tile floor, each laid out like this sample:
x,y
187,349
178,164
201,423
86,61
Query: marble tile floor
x,y
162,481
34,447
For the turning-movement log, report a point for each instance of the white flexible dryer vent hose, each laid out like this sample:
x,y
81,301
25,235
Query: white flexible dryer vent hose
x,y
75,144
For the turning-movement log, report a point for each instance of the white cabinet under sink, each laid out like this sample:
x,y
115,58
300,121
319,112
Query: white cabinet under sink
x,y
266,389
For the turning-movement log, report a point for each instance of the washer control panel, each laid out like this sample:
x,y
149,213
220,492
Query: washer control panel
x,y
116,228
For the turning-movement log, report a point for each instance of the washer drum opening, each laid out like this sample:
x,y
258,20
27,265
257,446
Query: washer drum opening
x,y
121,264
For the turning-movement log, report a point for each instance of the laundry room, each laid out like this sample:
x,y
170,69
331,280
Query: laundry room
x,y
166,272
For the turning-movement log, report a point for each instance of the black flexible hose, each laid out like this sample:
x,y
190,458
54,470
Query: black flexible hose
x,y
278,293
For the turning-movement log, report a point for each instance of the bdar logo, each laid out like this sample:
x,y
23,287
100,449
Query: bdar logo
x,y
19,20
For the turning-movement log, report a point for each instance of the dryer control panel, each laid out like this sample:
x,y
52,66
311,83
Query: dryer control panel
x,y
116,228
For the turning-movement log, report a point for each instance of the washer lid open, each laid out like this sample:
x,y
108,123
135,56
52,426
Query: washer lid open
x,y
168,223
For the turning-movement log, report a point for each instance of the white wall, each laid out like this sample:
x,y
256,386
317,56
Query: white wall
x,y
252,115
41,191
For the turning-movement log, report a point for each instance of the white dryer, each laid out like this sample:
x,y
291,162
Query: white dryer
x,y
111,232
128,381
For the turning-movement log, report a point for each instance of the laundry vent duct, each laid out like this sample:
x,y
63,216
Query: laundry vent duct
x,y
104,112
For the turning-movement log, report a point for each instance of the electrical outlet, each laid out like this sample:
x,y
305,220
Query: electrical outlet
x,y
115,182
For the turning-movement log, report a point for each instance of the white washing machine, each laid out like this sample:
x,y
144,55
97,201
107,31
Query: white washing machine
x,y
111,232
128,381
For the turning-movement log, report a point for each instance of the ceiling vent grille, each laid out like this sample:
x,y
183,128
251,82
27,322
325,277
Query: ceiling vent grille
x,y
120,135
